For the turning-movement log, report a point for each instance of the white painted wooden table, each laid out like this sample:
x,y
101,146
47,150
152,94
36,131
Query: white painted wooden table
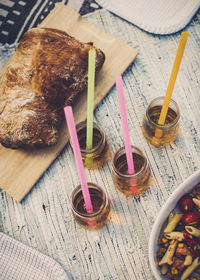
x,y
120,250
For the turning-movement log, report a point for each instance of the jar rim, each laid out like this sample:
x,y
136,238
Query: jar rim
x,y
89,215
165,126
129,176
101,142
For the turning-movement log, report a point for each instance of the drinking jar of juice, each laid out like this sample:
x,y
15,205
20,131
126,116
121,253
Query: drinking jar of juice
x,y
101,207
156,134
99,153
131,184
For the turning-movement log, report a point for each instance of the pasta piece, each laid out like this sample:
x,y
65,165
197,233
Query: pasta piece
x,y
164,269
175,235
193,231
167,258
188,260
197,202
190,269
173,223
171,215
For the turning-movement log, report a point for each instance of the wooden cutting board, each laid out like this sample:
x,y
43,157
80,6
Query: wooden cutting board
x,y
21,169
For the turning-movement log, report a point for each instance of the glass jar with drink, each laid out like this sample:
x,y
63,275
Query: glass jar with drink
x,y
157,134
100,203
131,184
100,153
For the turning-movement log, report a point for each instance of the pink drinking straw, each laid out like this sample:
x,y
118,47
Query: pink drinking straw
x,y
77,154
127,141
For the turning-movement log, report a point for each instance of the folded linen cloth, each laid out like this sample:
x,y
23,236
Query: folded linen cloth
x,y
20,262
154,16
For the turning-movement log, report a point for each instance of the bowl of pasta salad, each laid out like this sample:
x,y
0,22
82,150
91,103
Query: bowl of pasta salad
x,y
174,244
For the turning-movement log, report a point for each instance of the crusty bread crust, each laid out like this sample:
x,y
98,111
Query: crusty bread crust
x,y
48,70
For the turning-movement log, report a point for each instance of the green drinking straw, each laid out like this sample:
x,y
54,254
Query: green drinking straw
x,y
90,98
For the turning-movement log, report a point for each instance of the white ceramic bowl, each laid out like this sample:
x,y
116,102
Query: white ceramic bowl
x,y
169,205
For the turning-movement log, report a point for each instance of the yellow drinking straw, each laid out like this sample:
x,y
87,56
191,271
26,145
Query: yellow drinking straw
x,y
172,80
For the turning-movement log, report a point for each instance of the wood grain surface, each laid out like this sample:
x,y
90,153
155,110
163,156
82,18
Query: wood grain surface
x,y
20,169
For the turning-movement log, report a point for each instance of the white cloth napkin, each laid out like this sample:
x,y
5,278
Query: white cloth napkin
x,y
20,262
155,16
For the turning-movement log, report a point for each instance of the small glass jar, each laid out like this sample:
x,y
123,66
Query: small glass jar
x,y
131,184
161,135
101,207
100,152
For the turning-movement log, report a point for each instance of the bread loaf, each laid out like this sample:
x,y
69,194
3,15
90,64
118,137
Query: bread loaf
x,y
48,70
